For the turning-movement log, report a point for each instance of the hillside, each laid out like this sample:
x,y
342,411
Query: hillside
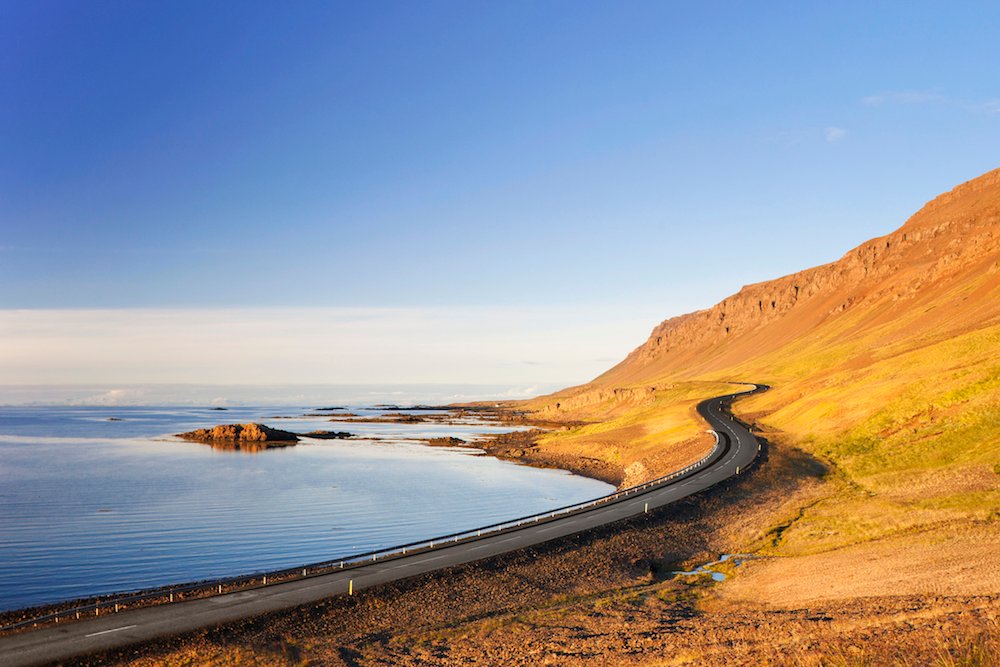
x,y
911,316
885,368
934,278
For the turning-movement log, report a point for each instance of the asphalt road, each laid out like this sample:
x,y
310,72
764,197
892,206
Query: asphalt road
x,y
60,642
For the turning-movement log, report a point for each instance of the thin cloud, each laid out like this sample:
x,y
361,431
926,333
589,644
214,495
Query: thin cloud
x,y
903,97
989,107
928,97
806,136
112,397
834,134
523,392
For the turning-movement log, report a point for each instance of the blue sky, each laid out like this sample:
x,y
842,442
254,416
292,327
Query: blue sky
x,y
612,158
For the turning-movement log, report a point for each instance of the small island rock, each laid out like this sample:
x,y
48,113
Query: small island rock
x,y
242,436
446,442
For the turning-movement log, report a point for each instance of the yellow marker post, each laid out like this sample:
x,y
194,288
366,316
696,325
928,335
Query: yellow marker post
x,y
350,587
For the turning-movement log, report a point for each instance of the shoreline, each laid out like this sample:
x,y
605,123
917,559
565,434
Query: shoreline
x,y
524,447
521,447
513,446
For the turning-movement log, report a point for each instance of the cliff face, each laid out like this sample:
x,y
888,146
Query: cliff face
x,y
939,273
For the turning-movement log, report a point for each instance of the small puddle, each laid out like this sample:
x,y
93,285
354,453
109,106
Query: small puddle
x,y
707,568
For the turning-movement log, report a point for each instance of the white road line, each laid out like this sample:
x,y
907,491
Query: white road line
x,y
104,632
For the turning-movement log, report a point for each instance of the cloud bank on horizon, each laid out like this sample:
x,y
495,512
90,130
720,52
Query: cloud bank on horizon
x,y
202,395
513,347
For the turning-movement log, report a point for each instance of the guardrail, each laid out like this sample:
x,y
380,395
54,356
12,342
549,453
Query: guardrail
x,y
226,585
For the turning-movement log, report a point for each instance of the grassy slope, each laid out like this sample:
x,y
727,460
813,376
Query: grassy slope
x,y
912,438
629,431
909,434
897,395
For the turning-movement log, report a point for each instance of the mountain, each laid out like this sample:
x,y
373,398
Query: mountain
x,y
884,366
934,278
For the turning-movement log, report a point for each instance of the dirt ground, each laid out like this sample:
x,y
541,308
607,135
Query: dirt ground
x,y
958,559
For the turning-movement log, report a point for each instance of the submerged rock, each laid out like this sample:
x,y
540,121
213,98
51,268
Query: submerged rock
x,y
446,442
400,419
242,436
329,435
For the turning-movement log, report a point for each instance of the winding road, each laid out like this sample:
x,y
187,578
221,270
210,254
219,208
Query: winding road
x,y
738,449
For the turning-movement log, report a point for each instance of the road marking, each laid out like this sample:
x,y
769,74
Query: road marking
x,y
104,632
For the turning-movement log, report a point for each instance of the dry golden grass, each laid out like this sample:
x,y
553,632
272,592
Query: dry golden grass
x,y
646,431
911,438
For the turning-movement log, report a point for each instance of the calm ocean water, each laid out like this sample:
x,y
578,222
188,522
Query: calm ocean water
x,y
92,506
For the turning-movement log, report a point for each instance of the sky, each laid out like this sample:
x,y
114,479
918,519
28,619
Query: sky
x,y
535,184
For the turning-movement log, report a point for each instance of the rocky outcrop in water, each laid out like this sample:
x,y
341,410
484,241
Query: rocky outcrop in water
x,y
446,442
253,437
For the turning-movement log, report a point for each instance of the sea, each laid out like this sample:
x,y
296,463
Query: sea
x,y
103,499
